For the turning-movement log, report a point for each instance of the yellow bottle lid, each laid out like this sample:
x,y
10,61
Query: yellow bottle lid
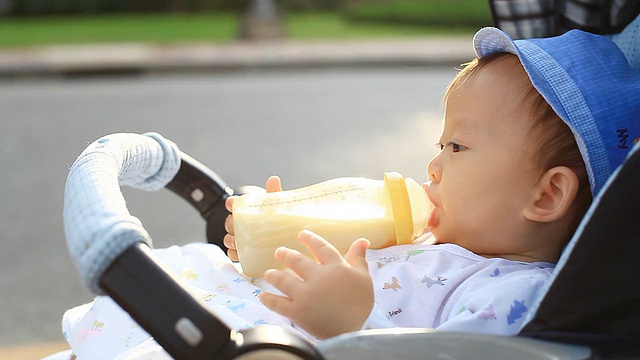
x,y
400,207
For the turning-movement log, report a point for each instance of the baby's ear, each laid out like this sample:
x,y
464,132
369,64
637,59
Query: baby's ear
x,y
553,195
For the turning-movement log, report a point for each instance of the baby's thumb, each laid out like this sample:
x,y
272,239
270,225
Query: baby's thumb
x,y
357,253
274,184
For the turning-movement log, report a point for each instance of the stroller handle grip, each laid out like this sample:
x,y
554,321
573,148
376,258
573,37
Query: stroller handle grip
x,y
206,192
97,224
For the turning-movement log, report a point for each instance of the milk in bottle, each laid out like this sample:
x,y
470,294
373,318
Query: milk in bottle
x,y
386,212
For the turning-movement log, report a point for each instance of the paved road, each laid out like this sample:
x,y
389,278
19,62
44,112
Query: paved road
x,y
306,126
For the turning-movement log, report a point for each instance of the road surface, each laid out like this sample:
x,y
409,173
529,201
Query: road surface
x,y
306,126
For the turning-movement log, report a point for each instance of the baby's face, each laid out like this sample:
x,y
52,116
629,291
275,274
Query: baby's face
x,y
484,176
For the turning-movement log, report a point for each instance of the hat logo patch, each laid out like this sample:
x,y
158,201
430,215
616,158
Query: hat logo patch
x,y
623,137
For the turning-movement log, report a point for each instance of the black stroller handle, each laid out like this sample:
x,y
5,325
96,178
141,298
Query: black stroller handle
x,y
139,282
133,275
206,192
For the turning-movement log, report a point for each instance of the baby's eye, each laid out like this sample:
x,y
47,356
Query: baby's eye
x,y
454,147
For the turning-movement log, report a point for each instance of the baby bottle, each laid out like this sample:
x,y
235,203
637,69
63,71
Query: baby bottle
x,y
386,212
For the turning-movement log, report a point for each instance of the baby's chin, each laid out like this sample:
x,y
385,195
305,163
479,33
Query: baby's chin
x,y
439,238
426,238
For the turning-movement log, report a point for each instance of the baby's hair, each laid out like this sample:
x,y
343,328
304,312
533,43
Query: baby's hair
x,y
553,143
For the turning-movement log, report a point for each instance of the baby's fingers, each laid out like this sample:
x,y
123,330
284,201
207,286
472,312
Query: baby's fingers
x,y
228,224
280,304
274,184
323,250
230,243
233,255
357,254
301,264
288,284
229,203
283,281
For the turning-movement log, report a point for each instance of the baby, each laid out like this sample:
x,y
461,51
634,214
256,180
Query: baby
x,y
532,130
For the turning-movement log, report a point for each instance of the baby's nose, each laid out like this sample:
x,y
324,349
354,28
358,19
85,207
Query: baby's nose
x,y
434,169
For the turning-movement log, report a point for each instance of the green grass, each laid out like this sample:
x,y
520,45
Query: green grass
x,y
465,13
118,28
322,26
166,29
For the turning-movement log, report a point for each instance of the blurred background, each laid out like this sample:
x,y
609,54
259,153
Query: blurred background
x,y
41,22
304,123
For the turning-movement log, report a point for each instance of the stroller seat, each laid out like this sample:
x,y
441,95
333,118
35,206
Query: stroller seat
x,y
588,310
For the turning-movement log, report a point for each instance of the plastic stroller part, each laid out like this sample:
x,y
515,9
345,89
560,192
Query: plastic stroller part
x,y
137,275
542,18
98,226
206,192
425,344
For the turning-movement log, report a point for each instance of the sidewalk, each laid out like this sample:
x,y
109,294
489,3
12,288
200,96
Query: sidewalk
x,y
32,352
145,58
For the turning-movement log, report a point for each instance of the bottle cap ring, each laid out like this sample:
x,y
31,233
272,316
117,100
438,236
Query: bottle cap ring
x,y
400,207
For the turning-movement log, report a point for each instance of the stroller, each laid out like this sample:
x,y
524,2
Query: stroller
x,y
576,319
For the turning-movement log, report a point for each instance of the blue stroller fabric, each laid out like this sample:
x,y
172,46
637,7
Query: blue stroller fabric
x,y
593,298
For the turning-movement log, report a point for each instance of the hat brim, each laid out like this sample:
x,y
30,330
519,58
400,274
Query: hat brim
x,y
491,40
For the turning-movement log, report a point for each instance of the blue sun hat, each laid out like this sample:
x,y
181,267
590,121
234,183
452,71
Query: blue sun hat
x,y
588,82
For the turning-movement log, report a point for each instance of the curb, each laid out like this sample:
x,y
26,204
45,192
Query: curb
x,y
33,351
146,58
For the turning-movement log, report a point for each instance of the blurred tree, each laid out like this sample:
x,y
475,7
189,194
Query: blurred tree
x,y
177,5
262,20
5,7
312,5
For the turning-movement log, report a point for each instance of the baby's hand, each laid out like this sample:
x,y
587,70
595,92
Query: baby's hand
x,y
329,296
230,239
273,184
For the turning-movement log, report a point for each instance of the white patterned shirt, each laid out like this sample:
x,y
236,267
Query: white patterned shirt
x,y
444,287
